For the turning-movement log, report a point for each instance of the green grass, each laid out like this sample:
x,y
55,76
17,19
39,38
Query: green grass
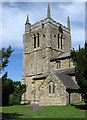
x,y
79,103
57,112
0,109
14,110
67,111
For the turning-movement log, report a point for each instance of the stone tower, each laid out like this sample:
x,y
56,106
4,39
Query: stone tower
x,y
41,41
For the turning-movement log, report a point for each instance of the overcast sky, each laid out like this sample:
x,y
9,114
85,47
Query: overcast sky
x,y
13,25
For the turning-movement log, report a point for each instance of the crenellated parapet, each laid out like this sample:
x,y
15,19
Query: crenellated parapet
x,y
46,21
43,23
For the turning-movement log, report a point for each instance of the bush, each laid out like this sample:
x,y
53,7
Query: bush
x,y
15,97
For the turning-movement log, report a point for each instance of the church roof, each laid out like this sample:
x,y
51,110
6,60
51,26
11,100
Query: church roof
x,y
61,56
64,76
43,76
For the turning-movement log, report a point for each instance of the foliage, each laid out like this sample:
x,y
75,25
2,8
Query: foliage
x,y
80,60
7,89
4,55
15,97
11,91
7,84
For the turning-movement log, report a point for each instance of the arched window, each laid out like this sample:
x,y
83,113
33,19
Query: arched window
x,y
49,88
58,41
53,88
58,64
61,40
34,41
38,39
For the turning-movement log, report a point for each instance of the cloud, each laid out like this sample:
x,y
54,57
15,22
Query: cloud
x,y
78,38
86,21
14,17
0,24
44,1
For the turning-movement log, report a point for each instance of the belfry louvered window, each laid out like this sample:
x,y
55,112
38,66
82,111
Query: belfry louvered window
x,y
38,39
58,41
34,41
61,40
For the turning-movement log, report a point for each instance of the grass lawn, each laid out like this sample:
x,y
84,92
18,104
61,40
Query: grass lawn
x,y
15,109
67,111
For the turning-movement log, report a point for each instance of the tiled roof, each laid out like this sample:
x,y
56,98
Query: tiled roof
x,y
63,75
61,56
41,76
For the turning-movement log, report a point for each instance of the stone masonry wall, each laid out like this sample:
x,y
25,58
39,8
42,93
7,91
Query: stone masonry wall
x,y
66,41
36,93
37,60
75,97
56,98
27,95
65,63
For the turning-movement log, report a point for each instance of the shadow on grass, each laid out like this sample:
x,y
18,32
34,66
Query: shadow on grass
x,y
81,107
11,116
6,116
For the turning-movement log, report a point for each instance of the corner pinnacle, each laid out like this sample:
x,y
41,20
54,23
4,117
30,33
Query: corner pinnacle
x,y
68,23
48,11
27,21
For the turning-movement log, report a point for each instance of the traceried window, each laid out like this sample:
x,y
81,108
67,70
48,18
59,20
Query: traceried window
x,y
60,29
58,41
61,40
58,64
38,40
34,41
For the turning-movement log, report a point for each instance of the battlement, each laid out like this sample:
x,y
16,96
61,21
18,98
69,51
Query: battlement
x,y
46,21
42,24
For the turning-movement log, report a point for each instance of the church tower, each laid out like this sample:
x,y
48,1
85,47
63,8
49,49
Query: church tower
x,y
41,41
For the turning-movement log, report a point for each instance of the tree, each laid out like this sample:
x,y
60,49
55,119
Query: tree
x,y
15,97
80,60
4,55
7,89
7,84
11,91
